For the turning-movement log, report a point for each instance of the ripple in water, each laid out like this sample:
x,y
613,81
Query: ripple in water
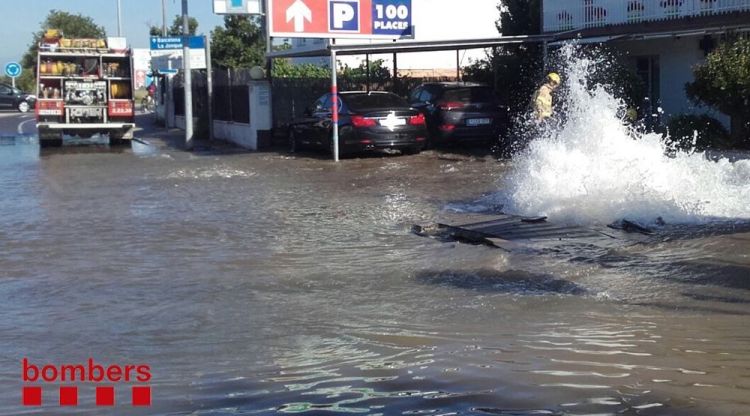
x,y
594,169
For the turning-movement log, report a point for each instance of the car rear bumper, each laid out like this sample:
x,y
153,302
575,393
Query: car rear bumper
x,y
455,126
368,140
467,134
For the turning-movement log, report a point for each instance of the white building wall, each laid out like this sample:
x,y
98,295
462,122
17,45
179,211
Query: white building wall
x,y
677,57
562,15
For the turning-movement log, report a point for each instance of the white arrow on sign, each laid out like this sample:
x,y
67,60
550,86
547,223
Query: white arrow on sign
x,y
299,12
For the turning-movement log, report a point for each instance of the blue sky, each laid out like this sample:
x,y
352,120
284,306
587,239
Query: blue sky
x,y
23,17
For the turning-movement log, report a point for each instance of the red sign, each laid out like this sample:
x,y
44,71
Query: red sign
x,y
340,18
120,108
42,381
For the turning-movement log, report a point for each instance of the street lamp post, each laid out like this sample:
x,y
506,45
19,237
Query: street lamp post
x,y
188,84
164,18
119,21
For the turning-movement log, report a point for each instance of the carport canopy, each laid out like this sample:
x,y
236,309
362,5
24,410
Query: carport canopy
x,y
411,46
407,46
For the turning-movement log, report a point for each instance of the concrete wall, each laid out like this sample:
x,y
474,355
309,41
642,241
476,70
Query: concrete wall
x,y
677,57
246,135
240,134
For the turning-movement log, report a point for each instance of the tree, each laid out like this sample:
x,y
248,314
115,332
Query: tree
x,y
282,68
723,82
239,44
176,28
379,74
519,17
516,65
71,25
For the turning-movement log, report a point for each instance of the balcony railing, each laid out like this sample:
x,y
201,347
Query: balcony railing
x,y
562,15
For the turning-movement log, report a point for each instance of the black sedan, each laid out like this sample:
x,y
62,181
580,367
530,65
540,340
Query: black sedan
x,y
367,121
16,99
459,112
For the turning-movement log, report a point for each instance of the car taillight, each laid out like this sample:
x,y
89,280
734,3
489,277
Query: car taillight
x,y
120,108
360,121
447,127
451,105
417,120
50,107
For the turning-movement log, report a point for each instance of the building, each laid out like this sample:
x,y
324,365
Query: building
x,y
663,39
433,20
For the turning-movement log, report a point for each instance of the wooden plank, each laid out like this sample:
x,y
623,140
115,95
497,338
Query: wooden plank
x,y
510,232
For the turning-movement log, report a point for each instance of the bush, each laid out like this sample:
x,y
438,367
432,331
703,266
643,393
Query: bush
x,y
723,81
711,133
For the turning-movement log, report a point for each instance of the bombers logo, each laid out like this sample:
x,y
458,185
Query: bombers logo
x,y
90,372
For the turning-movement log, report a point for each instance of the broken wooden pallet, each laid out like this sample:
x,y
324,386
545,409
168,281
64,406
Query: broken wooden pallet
x,y
512,231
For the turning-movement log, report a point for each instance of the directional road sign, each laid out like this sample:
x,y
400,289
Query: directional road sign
x,y
176,42
340,18
13,69
237,7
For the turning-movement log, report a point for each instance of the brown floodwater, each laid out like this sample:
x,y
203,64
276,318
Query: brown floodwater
x,y
262,283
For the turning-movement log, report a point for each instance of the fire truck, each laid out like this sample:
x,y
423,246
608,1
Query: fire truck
x,y
84,87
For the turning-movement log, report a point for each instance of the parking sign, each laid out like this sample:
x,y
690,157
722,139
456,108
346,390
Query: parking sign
x,y
344,16
368,19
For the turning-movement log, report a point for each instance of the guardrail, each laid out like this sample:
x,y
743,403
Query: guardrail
x,y
580,14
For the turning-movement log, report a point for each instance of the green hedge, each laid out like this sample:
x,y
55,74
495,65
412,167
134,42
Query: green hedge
x,y
711,133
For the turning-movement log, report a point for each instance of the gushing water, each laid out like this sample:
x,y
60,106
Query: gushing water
x,y
595,169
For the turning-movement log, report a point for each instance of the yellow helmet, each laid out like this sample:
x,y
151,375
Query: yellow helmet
x,y
553,77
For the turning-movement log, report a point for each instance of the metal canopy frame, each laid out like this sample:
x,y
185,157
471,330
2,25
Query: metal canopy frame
x,y
411,46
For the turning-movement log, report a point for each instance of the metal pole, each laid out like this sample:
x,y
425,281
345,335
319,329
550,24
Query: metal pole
x,y
13,82
119,21
367,65
334,107
188,82
395,72
267,36
209,88
164,18
458,66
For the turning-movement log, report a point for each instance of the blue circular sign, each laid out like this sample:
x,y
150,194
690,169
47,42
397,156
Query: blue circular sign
x,y
12,69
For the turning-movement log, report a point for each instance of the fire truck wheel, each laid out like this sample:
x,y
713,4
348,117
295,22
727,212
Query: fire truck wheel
x,y
50,139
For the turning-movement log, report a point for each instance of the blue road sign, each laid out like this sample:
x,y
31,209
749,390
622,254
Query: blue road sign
x,y
176,42
344,16
13,69
391,17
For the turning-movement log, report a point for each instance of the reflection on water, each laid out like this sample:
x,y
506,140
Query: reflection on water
x,y
256,284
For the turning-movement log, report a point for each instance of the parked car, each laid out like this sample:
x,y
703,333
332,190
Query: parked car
x,y
15,98
367,121
459,112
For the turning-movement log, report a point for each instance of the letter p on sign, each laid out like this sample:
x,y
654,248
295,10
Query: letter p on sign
x,y
343,15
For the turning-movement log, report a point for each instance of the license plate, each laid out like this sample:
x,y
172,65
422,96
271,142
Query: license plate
x,y
392,122
478,121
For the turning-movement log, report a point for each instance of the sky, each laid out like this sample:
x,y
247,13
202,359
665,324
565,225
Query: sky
x,y
22,18
434,19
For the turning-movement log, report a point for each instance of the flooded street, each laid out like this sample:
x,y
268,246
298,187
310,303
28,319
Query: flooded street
x,y
261,283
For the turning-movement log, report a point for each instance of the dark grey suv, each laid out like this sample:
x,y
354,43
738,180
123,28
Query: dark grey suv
x,y
15,98
460,112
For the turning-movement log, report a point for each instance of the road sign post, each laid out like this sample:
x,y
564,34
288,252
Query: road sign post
x,y
334,108
187,78
13,70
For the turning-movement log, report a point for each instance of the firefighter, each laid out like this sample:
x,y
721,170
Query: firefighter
x,y
542,101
